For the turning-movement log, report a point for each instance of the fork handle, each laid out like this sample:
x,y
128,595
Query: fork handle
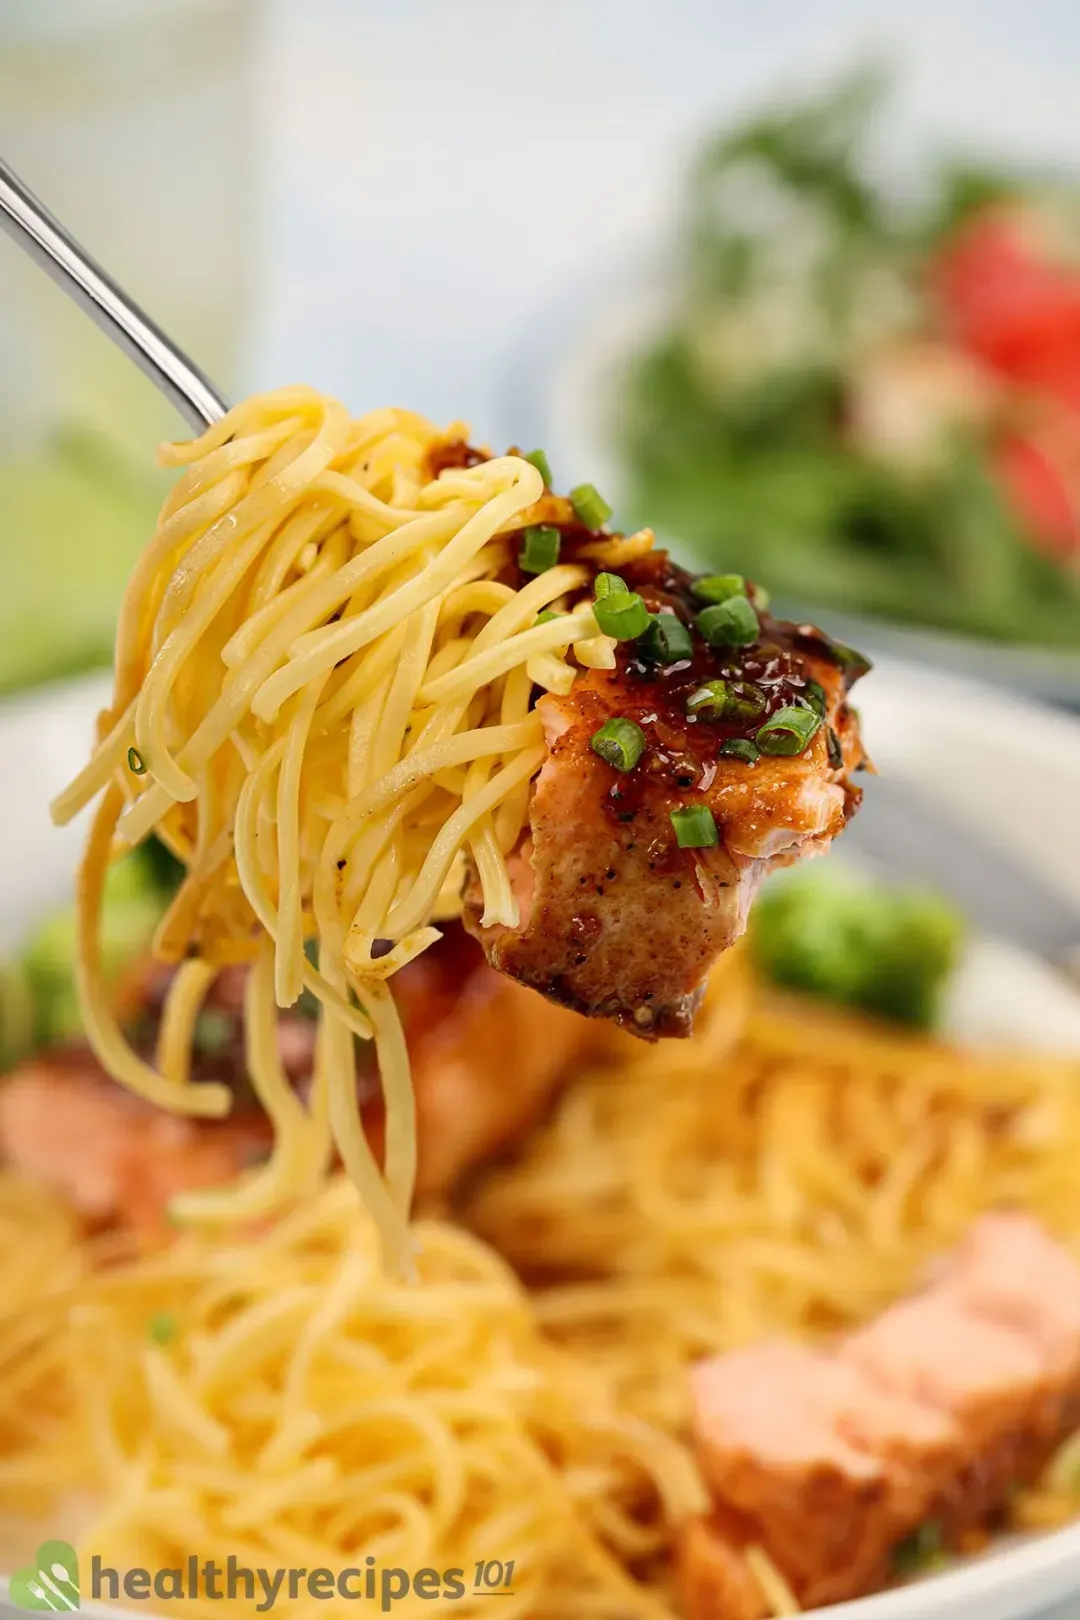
x,y
42,236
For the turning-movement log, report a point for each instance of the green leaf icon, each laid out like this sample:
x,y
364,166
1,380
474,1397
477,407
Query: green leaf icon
x,y
51,1582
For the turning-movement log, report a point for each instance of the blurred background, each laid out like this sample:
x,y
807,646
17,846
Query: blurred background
x,y
798,285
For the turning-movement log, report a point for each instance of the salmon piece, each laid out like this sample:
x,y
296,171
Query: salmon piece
x,y
769,1450
616,921
1011,1271
713,1579
486,1058
115,1159
921,1447
927,1417
993,1382
119,1161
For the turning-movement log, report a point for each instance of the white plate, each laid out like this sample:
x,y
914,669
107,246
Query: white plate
x,y
1009,766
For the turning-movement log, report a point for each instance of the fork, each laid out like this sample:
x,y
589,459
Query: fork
x,y
54,248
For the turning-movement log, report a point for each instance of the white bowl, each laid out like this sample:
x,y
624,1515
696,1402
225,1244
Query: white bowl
x,y
1009,766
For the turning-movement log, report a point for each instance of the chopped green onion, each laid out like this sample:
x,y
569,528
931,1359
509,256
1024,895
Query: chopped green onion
x,y
729,624
619,742
546,616
135,762
609,585
854,664
695,827
920,1550
539,549
788,731
710,700
834,751
727,700
537,459
814,694
213,1030
741,748
161,1328
667,639
746,700
589,506
718,587
622,615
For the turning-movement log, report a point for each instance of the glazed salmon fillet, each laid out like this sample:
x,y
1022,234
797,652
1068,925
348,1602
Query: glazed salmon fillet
x,y
829,1460
617,920
119,1161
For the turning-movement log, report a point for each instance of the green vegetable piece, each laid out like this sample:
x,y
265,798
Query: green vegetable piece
x,y
834,751
709,701
537,459
888,951
589,506
667,640
623,615
136,762
741,748
920,1551
732,623
718,587
132,908
814,694
619,743
213,1031
695,827
17,1014
539,548
727,700
609,585
547,614
788,731
161,1328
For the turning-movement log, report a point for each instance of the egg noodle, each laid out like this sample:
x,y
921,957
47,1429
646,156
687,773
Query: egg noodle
x,y
269,1391
323,702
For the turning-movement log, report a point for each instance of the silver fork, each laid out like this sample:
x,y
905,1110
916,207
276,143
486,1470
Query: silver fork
x,y
43,237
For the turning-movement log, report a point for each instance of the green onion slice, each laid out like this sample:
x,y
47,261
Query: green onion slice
x,y
136,762
729,624
539,548
814,694
788,731
589,505
709,700
718,587
609,585
834,751
695,827
537,459
921,1550
547,614
619,743
667,639
622,615
213,1030
741,748
161,1328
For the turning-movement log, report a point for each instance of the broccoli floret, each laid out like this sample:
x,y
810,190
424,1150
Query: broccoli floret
x,y
17,1014
133,905
888,951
